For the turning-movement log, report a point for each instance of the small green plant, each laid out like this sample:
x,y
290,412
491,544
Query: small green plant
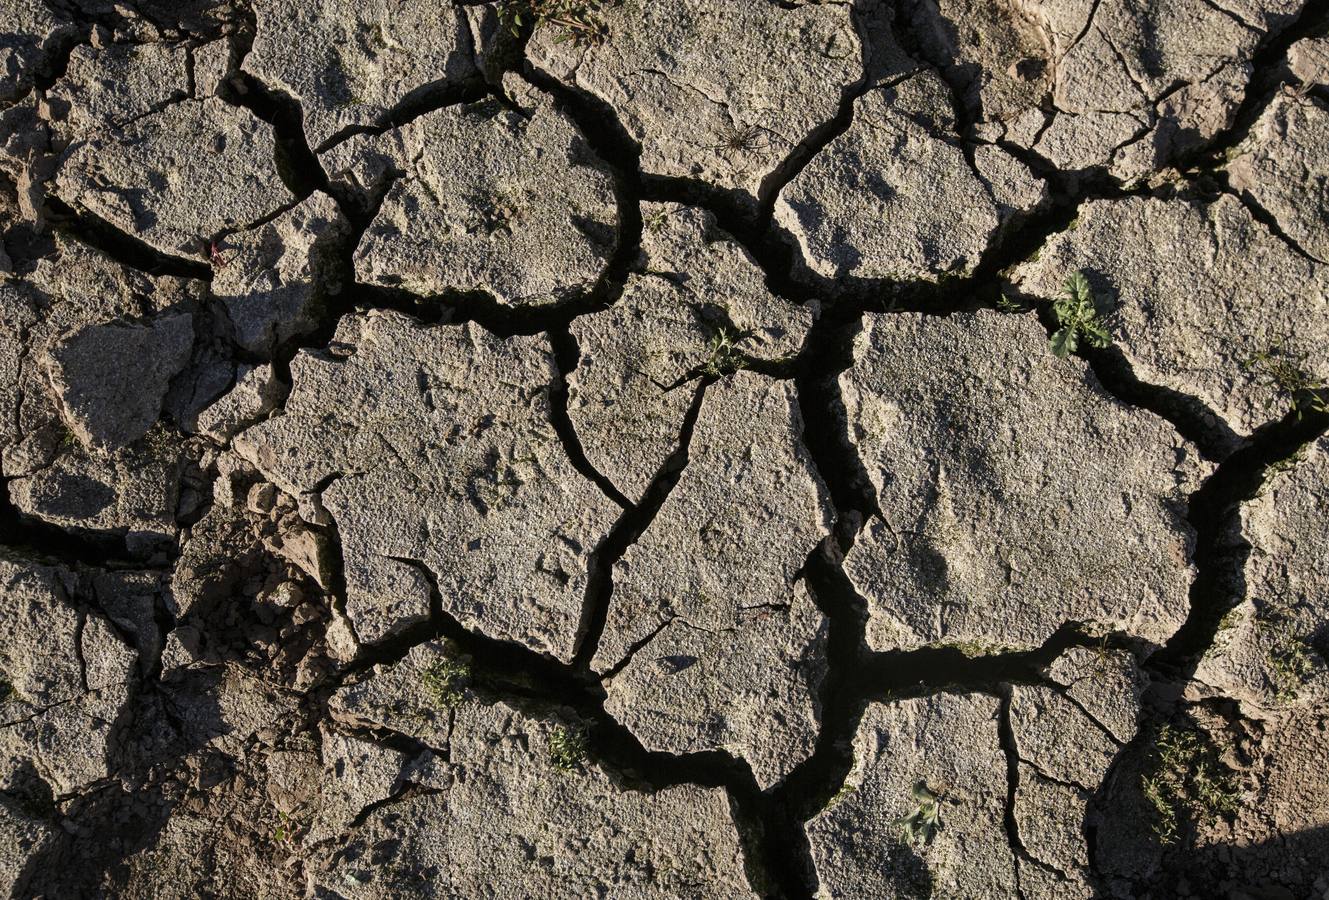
x,y
67,440
1278,468
579,21
723,355
284,834
445,680
848,787
567,747
1008,305
846,790
1284,374
1289,657
1106,659
738,138
1231,619
921,824
656,221
1077,317
1291,668
1186,782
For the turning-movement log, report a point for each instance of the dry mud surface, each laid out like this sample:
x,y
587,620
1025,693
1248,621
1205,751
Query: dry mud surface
x,y
700,448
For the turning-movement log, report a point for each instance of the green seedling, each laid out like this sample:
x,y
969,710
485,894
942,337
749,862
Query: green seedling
x,y
1290,668
723,355
846,790
1283,373
578,21
1008,305
1186,782
1289,657
923,822
1077,317
567,747
444,682
284,834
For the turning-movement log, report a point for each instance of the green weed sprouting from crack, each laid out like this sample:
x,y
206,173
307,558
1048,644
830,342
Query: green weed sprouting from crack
x,y
285,833
1077,318
1231,619
580,21
445,681
655,222
1278,468
1289,656
67,439
1283,372
847,788
1186,783
567,747
723,355
921,824
1106,661
1291,668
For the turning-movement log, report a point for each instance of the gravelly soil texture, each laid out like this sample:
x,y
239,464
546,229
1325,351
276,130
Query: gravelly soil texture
x,y
695,448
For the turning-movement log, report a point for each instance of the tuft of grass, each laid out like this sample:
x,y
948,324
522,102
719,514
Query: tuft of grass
x,y
740,138
1283,373
1077,318
567,747
1008,305
848,787
921,824
657,220
1291,668
579,21
1288,655
846,790
445,681
1186,783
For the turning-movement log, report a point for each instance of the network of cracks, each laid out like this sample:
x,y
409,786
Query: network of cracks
x,y
696,449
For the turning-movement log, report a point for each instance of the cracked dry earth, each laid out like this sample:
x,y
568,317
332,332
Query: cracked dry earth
x,y
618,451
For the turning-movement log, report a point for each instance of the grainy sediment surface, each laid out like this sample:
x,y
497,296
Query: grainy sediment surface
x,y
578,448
